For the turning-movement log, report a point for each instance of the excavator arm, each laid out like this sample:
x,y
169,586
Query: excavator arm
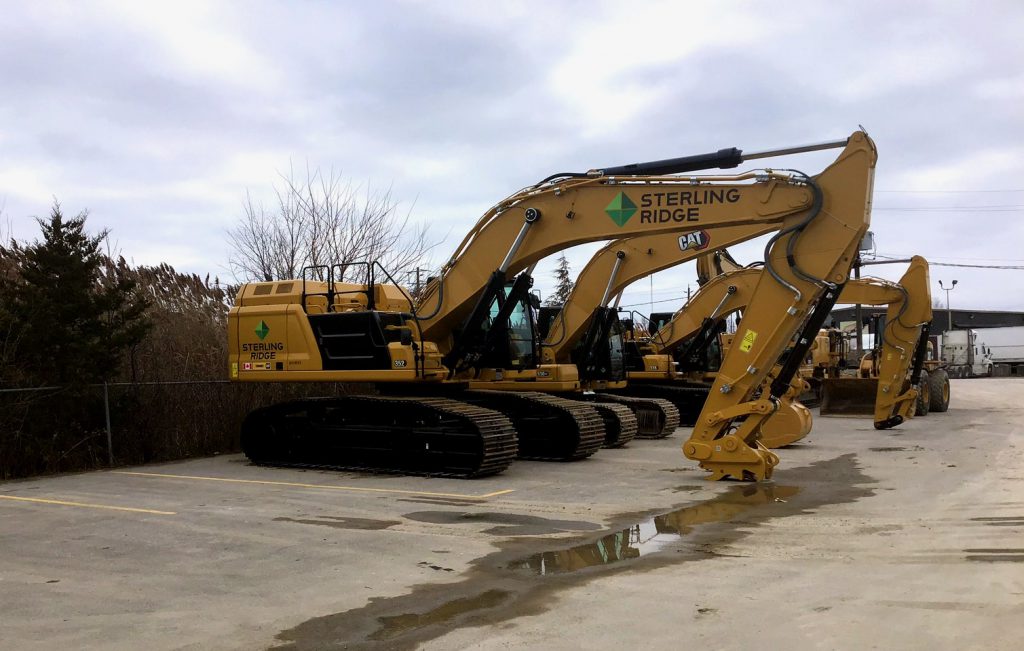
x,y
805,269
715,264
902,342
908,313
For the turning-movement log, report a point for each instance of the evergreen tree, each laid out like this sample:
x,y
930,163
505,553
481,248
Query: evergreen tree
x,y
76,311
563,283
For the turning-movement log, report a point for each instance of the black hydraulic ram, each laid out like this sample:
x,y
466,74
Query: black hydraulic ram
x,y
721,159
796,356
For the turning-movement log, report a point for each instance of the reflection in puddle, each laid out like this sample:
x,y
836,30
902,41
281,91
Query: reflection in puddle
x,y
494,591
396,625
652,535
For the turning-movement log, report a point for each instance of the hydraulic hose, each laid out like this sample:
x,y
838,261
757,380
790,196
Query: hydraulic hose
x,y
796,229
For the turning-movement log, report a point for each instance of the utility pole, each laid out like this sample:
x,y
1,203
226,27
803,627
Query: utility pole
x,y
858,312
417,272
949,312
651,278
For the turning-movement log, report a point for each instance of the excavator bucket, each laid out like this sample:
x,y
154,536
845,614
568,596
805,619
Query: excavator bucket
x,y
848,396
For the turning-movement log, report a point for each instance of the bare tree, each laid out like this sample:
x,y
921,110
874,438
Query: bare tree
x,y
321,219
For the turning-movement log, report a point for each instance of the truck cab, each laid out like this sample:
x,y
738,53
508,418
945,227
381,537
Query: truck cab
x,y
966,354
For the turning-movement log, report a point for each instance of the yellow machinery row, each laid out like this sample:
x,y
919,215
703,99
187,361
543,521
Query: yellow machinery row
x,y
464,380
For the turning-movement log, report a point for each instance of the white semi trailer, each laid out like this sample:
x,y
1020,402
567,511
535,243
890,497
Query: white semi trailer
x,y
966,354
1005,346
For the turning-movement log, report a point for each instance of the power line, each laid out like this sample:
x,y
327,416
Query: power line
x,y
991,208
943,191
887,257
664,300
954,264
949,257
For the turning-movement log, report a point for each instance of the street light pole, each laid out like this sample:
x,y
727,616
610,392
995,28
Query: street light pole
x,y
949,312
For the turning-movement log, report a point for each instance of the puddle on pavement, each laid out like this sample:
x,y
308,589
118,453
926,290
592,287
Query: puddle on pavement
x,y
365,524
655,534
524,577
512,524
391,627
688,489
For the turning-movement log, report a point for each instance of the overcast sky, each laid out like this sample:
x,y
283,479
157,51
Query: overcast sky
x,y
157,119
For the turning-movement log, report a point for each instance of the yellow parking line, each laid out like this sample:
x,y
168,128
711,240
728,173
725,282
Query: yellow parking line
x,y
85,505
323,486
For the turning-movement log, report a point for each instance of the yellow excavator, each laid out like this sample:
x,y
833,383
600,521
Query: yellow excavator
x,y
826,368
888,391
586,330
673,364
473,328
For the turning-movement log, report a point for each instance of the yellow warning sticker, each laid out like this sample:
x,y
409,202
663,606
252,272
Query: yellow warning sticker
x,y
234,369
749,337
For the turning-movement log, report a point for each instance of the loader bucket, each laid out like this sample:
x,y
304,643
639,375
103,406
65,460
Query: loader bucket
x,y
848,396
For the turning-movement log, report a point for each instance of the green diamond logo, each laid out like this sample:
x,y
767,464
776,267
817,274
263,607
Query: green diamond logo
x,y
262,330
621,209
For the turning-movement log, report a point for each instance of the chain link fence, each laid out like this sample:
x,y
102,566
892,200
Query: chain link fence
x,y
56,429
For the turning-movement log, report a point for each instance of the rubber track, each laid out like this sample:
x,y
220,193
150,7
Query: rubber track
x,y
668,419
589,435
496,432
689,400
620,423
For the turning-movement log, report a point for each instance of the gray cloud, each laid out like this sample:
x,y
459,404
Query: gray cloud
x,y
159,119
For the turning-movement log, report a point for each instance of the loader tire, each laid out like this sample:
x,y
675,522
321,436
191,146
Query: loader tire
x,y
938,386
924,394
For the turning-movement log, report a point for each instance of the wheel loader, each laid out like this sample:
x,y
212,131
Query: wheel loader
x,y
451,367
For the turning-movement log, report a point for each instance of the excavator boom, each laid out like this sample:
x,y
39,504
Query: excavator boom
x,y
806,265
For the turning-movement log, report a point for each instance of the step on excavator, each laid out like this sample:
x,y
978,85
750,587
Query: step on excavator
x,y
451,367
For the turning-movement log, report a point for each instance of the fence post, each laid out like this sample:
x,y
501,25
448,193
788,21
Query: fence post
x,y
110,438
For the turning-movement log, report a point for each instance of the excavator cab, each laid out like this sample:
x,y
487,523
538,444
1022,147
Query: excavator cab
x,y
600,356
518,330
